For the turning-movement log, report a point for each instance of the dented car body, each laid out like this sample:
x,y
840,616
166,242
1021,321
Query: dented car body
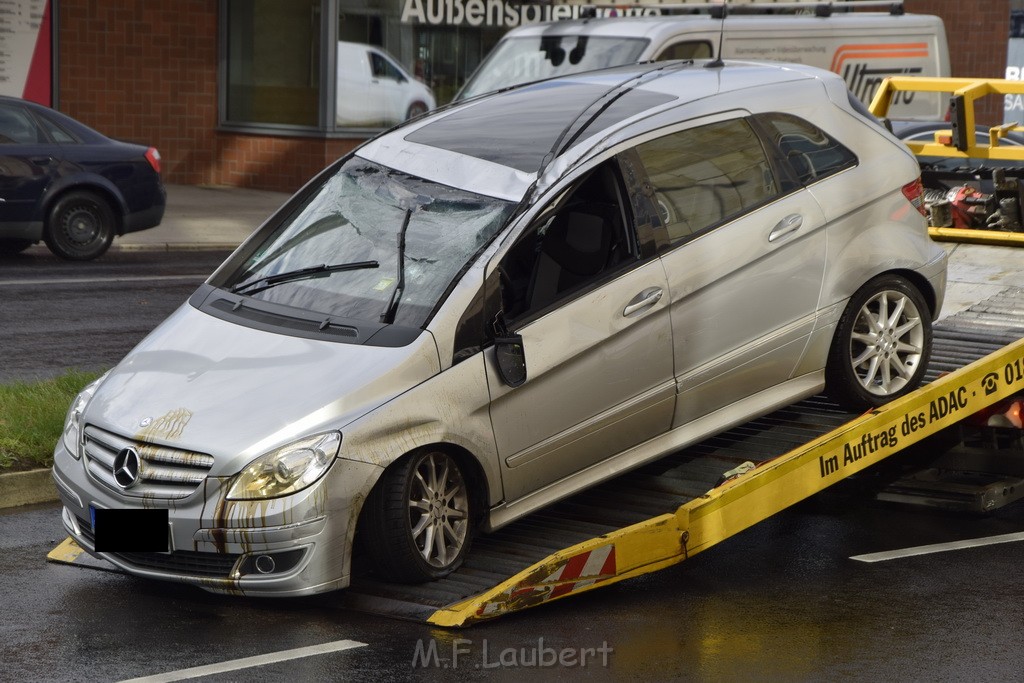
x,y
443,331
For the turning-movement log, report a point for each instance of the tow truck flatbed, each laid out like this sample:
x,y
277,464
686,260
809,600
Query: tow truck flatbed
x,y
662,513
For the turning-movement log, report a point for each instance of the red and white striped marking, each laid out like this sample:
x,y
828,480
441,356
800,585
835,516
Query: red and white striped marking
x,y
579,571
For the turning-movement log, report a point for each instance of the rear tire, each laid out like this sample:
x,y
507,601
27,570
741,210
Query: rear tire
x,y
80,226
882,344
415,109
416,524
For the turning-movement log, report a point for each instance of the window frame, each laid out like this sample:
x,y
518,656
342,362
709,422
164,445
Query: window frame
x,y
324,127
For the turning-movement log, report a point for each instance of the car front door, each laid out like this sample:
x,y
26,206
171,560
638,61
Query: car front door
x,y
745,261
590,302
27,164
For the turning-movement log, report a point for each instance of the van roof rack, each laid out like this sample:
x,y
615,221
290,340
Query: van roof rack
x,y
822,8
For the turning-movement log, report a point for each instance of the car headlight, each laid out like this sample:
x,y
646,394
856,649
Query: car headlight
x,y
72,436
288,469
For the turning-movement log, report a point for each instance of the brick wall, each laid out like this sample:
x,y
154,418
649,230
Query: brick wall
x,y
977,32
146,71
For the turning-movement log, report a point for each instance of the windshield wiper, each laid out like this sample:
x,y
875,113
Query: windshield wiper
x,y
388,316
322,270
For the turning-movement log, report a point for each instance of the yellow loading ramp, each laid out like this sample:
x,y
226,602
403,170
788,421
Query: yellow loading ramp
x,y
960,141
753,496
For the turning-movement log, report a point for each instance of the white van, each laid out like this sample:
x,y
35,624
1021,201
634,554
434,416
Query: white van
x,y
374,90
863,47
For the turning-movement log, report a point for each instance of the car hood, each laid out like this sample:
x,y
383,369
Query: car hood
x,y
211,386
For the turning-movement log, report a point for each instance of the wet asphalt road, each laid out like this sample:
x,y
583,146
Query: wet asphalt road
x,y
57,315
781,601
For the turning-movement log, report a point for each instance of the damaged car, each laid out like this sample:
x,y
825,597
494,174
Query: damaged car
x,y
499,304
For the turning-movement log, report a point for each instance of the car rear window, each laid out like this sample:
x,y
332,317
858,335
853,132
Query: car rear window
x,y
519,129
812,152
56,132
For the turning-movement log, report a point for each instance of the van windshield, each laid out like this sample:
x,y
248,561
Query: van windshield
x,y
522,60
371,244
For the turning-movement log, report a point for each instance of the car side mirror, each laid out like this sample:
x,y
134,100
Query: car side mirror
x,y
511,359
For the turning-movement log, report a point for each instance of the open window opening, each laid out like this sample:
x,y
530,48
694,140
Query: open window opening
x,y
580,240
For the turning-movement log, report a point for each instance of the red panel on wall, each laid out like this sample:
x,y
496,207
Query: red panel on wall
x,y
38,86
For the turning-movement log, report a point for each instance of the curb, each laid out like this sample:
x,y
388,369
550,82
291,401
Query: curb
x,y
176,246
26,488
157,246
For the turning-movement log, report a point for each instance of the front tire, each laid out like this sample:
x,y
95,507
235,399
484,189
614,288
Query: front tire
x,y
416,523
80,226
882,344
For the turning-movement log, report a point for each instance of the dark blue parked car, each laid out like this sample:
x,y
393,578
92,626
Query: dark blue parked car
x,y
66,184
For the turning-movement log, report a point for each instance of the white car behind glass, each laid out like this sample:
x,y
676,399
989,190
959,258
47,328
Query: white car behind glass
x,y
374,90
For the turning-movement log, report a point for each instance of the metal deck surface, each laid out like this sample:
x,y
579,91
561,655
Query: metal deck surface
x,y
661,487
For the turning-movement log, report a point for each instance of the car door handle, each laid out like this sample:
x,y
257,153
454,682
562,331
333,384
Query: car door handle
x,y
790,223
644,299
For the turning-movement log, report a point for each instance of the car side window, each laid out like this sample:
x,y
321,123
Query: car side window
x,y
383,68
690,49
706,175
811,152
56,133
16,126
582,238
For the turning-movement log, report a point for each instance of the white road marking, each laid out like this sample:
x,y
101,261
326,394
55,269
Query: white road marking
x,y
938,548
248,662
94,280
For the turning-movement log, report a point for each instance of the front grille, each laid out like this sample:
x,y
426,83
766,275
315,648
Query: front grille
x,y
189,562
164,472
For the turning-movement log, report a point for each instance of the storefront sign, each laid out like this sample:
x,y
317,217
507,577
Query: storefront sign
x,y
499,13
1013,105
25,49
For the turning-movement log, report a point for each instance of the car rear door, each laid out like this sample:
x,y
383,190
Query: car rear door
x,y
590,301
745,261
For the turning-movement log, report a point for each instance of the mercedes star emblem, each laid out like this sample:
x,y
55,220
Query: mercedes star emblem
x,y
126,468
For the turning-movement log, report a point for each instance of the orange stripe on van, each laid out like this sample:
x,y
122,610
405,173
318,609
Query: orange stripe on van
x,y
877,51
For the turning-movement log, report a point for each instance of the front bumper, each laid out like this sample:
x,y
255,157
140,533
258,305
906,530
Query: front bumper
x,y
293,545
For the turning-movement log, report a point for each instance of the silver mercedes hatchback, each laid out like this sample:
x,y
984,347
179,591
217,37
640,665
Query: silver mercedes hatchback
x,y
499,304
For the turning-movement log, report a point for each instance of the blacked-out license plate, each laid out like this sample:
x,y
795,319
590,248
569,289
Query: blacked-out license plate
x,y
130,530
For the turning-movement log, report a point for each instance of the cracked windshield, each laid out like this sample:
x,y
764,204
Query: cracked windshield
x,y
373,244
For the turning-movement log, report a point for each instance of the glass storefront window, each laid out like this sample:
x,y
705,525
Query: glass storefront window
x,y
432,61
273,62
354,66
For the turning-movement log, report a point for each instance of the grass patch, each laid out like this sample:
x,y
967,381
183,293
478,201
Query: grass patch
x,y
32,418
